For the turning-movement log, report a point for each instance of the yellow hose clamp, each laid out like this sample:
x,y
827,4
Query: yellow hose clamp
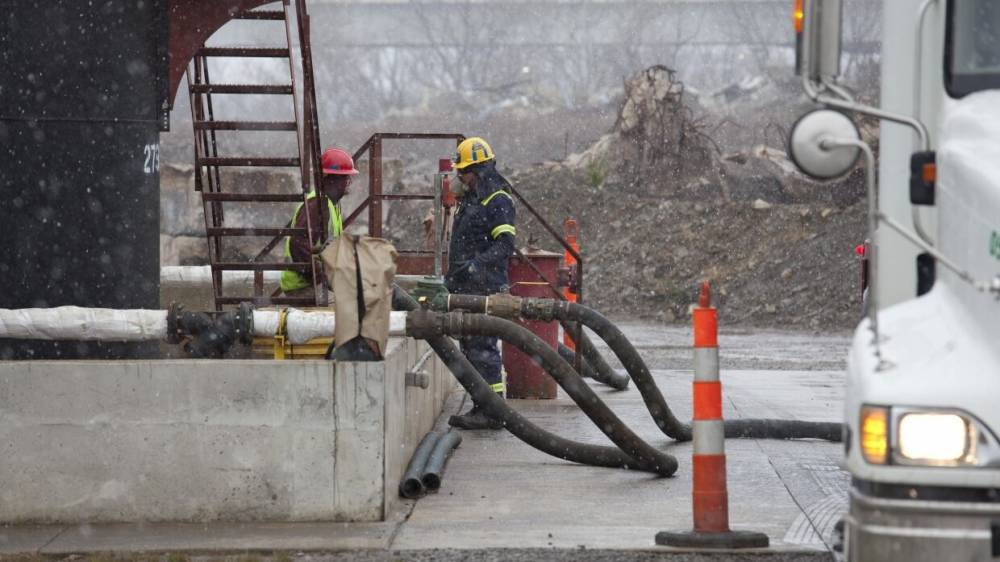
x,y
280,339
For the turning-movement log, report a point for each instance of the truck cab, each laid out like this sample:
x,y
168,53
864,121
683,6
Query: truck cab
x,y
922,403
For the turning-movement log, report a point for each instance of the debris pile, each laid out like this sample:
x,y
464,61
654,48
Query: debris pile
x,y
661,207
658,129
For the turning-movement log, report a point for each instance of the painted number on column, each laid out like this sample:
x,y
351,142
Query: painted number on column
x,y
151,158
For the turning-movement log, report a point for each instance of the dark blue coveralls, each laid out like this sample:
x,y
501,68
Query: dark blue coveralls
x,y
482,241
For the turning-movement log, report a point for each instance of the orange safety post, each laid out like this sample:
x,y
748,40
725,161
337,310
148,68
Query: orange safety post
x,y
571,232
709,496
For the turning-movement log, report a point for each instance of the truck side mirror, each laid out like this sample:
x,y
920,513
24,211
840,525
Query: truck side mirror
x,y
808,150
818,43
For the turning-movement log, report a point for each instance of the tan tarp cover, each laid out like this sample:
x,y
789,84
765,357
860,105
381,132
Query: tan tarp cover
x,y
377,258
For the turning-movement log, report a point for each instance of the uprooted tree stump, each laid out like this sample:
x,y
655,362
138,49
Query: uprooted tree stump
x,y
659,131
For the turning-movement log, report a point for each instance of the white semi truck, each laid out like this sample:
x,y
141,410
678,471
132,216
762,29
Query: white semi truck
x,y
922,403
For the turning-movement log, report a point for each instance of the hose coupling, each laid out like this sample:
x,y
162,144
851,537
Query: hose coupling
x,y
175,334
243,323
539,309
425,324
504,306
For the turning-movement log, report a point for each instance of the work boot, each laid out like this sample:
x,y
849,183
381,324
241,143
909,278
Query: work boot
x,y
475,419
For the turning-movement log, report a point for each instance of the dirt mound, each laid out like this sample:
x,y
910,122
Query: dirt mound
x,y
661,208
769,264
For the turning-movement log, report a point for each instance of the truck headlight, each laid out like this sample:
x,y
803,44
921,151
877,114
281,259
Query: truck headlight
x,y
914,436
939,439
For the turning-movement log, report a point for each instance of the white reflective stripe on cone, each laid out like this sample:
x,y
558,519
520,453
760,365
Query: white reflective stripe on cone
x,y
708,437
706,364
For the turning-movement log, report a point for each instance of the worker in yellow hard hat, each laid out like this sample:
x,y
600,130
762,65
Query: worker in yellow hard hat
x,y
482,241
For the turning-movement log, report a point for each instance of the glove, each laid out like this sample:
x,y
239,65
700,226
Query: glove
x,y
458,271
468,271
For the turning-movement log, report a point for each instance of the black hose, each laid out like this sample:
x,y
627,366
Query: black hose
x,y
550,309
657,405
633,363
496,407
592,358
457,324
569,356
784,429
435,463
412,486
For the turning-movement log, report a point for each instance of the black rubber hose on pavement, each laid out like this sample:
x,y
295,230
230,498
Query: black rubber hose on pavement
x,y
634,366
600,371
496,407
569,356
425,323
784,429
412,486
657,405
550,309
435,463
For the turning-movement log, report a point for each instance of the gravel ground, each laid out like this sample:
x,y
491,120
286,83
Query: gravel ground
x,y
779,265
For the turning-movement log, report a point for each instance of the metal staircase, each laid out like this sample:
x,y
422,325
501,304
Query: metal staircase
x,y
299,93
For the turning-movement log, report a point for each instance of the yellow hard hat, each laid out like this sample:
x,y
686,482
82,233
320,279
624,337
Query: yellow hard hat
x,y
473,150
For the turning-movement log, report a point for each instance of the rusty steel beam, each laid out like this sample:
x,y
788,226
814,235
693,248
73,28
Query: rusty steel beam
x,y
254,266
194,21
417,262
375,188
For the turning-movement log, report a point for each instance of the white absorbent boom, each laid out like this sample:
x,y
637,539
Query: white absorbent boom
x,y
106,324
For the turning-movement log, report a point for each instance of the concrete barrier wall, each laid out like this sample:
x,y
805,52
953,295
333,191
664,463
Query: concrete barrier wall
x,y
196,440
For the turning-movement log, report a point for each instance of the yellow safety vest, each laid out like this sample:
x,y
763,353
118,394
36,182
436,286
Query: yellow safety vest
x,y
293,280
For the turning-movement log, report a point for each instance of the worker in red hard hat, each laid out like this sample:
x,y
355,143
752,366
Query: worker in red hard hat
x,y
338,167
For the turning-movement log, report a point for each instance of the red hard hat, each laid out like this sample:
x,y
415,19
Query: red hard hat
x,y
338,161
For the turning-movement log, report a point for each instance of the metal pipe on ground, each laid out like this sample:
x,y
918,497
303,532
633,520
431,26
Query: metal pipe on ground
x,y
506,306
412,485
434,470
424,323
518,425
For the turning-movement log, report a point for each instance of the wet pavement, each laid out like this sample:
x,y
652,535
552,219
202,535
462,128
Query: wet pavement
x,y
502,500
500,493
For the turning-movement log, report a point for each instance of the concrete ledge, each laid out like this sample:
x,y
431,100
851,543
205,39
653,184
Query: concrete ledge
x,y
193,440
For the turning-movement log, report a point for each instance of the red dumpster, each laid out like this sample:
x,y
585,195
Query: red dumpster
x,y
525,379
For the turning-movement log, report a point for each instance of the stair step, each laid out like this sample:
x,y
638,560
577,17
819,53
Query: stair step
x,y
260,52
247,266
253,231
307,301
261,15
248,161
246,125
253,197
241,88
